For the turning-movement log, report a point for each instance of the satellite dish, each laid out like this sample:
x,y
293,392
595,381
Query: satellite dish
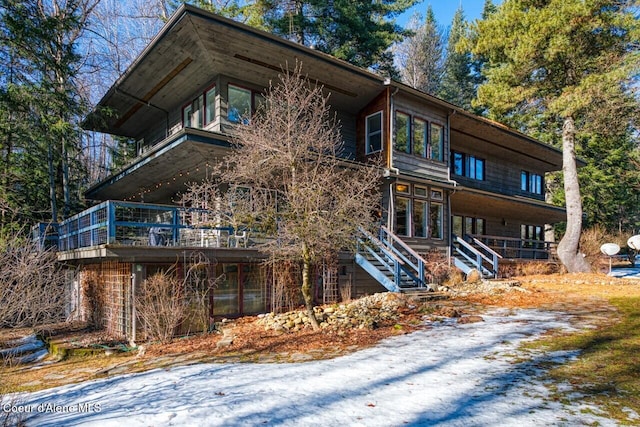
x,y
610,249
634,242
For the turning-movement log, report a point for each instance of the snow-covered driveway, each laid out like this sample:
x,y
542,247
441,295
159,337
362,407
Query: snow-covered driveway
x,y
449,374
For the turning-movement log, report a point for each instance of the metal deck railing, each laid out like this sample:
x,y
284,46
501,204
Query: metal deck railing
x,y
142,224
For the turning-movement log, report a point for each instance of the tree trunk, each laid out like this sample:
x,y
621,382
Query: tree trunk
x,y
568,248
306,287
52,185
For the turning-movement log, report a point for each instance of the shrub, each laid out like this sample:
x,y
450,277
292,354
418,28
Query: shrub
x,y
594,237
32,283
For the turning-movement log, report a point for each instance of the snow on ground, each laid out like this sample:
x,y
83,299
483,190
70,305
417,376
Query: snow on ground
x,y
448,374
626,273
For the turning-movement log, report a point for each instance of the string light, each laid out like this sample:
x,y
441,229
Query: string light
x,y
139,195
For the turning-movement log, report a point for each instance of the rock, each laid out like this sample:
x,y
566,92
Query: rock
x,y
470,319
474,276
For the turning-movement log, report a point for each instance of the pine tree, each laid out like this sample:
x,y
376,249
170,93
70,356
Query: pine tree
x,y
358,31
458,84
568,64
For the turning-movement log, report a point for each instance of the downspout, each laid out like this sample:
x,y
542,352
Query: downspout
x,y
455,184
132,340
391,169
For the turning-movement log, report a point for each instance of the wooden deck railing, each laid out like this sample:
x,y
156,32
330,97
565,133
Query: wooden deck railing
x,y
512,247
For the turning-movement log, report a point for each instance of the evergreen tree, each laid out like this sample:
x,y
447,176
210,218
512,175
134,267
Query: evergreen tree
x,y
458,84
41,105
569,65
421,55
358,31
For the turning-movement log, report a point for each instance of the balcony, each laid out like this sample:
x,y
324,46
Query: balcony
x,y
119,223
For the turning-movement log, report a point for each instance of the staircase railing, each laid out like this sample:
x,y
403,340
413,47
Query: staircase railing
x,y
415,263
482,257
399,266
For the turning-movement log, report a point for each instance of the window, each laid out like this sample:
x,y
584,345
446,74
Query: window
x,y
187,116
402,215
468,225
210,105
403,132
419,137
420,224
436,142
435,226
531,232
467,165
415,214
192,113
238,104
531,182
373,132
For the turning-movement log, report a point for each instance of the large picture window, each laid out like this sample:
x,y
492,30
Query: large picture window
x,y
373,133
238,104
417,214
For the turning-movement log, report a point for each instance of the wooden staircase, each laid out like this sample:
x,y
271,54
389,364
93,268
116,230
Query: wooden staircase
x,y
391,261
471,254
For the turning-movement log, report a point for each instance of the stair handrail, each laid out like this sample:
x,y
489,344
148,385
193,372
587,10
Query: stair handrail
x,y
485,247
418,266
479,255
382,246
401,243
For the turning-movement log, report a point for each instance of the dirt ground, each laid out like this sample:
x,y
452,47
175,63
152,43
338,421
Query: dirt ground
x,y
576,293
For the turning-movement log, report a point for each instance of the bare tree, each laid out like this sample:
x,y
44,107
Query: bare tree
x,y
169,299
32,283
302,190
420,56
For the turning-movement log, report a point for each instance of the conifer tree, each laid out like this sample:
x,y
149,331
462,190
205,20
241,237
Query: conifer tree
x,y
458,84
569,65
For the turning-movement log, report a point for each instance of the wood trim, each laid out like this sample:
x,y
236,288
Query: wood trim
x,y
147,97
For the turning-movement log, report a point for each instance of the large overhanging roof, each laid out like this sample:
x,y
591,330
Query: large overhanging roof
x,y
194,47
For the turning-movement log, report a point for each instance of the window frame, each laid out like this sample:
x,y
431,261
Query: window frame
x,y
532,183
407,132
469,165
430,150
415,194
369,134
209,106
229,108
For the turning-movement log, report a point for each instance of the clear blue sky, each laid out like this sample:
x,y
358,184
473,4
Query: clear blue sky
x,y
444,10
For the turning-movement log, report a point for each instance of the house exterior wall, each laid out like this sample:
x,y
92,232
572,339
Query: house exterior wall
x,y
503,167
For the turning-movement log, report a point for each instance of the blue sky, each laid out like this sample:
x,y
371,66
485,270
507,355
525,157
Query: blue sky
x,y
444,10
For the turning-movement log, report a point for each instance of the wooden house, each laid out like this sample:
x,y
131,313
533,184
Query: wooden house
x,y
467,187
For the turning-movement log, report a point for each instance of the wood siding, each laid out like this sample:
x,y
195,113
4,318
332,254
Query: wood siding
x,y
414,164
502,167
380,103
